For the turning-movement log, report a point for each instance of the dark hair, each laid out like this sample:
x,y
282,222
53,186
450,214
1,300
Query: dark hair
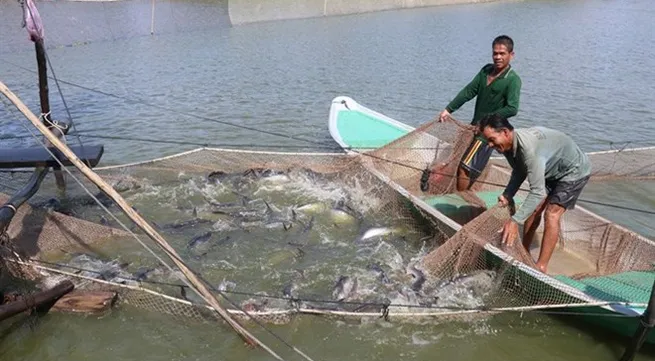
x,y
495,122
504,40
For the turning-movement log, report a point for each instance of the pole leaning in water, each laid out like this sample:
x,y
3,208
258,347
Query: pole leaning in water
x,y
646,324
140,222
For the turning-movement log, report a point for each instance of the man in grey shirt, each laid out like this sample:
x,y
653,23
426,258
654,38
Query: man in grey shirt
x,y
557,170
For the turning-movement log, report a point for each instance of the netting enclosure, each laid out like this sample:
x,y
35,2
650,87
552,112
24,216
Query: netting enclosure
x,y
596,261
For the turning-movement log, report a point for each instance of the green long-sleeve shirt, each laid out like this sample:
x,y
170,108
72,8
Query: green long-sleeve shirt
x,y
500,97
541,155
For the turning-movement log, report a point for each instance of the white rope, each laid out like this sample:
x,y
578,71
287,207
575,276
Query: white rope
x,y
45,118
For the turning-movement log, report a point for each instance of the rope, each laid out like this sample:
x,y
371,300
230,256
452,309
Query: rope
x,y
87,134
454,310
139,101
405,165
63,100
45,118
617,206
241,146
204,144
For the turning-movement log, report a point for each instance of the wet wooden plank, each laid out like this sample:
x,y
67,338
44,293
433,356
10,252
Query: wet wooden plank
x,y
86,302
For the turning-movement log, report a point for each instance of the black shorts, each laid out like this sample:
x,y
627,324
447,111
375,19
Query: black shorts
x,y
476,157
565,193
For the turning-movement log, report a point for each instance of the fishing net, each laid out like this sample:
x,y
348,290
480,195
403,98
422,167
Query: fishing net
x,y
595,259
455,234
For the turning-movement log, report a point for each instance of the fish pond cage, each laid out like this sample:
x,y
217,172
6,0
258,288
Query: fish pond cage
x,y
454,234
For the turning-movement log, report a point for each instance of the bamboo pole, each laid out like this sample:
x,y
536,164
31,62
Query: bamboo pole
x,y
140,222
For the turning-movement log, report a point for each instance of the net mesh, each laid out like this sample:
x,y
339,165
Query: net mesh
x,y
460,229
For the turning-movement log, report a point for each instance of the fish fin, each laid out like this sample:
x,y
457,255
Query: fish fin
x,y
309,225
199,257
269,210
300,252
195,212
244,199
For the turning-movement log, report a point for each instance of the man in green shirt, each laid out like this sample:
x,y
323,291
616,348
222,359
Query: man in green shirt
x,y
497,87
557,170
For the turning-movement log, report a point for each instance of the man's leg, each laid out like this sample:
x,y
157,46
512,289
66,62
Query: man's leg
x,y
551,234
531,224
563,196
463,179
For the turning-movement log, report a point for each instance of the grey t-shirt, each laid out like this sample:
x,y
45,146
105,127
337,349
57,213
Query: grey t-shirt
x,y
542,154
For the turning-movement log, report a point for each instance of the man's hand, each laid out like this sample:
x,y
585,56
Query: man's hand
x,y
504,202
444,116
510,233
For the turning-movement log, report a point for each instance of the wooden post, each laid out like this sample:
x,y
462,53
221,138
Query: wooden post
x,y
43,78
45,106
138,220
152,18
42,301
